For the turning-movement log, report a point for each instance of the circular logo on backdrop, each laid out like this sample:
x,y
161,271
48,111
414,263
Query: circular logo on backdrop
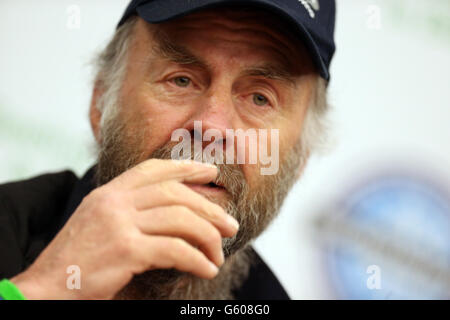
x,y
388,239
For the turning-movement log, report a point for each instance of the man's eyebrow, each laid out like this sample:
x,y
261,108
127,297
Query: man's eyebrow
x,y
171,51
273,72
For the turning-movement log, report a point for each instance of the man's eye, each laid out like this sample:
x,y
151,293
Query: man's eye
x,y
182,81
260,100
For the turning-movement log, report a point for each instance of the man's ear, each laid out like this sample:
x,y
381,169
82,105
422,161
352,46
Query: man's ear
x,y
95,115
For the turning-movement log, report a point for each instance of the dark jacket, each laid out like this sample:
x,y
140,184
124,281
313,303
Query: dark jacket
x,y
33,211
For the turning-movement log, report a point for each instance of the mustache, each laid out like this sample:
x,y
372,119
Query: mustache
x,y
229,176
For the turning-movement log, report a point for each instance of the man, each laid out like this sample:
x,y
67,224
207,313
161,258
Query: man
x,y
142,224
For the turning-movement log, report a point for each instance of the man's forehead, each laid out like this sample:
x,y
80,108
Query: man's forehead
x,y
241,18
168,37
170,50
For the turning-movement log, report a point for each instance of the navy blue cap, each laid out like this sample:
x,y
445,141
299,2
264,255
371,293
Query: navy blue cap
x,y
313,19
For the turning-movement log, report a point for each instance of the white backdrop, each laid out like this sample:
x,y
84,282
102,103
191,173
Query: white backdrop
x,y
389,91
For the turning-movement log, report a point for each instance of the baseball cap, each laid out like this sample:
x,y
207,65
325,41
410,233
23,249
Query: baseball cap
x,y
312,20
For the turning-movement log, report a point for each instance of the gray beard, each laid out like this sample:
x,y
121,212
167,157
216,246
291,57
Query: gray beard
x,y
254,210
174,285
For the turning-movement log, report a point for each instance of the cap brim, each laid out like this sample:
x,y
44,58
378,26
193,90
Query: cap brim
x,y
161,11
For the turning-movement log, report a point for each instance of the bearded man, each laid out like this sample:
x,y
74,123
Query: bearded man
x,y
143,224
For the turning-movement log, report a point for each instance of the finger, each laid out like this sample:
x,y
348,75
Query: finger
x,y
179,221
174,193
157,170
160,252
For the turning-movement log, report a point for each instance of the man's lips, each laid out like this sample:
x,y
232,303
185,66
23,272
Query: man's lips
x,y
209,188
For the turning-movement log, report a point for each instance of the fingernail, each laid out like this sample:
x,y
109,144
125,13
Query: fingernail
x,y
233,222
188,161
206,164
213,267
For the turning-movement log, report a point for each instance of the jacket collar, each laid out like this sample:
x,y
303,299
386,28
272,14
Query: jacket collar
x,y
81,189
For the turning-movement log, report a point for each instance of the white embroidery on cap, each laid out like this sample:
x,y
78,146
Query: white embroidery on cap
x,y
310,6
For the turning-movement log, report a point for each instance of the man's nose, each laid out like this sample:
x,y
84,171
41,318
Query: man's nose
x,y
214,113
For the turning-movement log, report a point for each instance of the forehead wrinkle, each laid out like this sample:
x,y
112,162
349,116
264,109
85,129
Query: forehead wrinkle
x,y
168,49
257,23
249,36
274,71
266,66
266,40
